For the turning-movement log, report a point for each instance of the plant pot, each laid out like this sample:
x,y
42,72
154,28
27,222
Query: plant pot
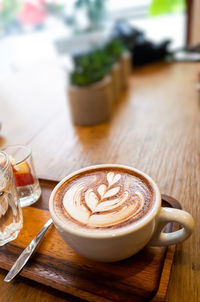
x,y
116,81
125,63
92,104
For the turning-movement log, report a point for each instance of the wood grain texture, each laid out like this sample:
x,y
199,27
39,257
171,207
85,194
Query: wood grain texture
x,y
55,264
155,128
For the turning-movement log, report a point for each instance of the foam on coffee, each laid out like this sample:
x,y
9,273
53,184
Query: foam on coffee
x,y
104,198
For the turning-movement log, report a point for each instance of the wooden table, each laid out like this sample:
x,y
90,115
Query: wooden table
x,y
155,128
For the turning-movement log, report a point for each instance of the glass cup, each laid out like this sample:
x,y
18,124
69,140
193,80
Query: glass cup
x,y
11,220
27,184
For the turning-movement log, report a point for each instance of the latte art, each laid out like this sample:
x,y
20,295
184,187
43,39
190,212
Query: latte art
x,y
100,207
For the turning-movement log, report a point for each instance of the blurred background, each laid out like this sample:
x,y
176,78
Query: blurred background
x,y
35,31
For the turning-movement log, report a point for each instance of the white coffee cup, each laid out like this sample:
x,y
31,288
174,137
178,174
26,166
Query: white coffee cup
x,y
124,242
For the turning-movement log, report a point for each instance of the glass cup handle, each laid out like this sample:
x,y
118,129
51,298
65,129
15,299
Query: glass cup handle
x,y
165,216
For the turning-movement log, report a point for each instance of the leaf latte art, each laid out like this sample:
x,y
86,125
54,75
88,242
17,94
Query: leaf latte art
x,y
105,201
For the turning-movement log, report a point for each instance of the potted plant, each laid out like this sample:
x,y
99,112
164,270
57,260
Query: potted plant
x,y
90,90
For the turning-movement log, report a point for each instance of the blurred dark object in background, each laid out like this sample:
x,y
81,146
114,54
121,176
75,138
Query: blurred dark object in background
x,y
143,51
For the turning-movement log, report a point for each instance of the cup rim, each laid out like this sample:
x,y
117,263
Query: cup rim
x,y
19,146
114,232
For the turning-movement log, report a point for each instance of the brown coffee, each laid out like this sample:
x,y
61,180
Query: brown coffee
x,y
104,198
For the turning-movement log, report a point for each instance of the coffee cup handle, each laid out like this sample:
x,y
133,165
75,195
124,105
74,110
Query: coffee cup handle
x,y
165,216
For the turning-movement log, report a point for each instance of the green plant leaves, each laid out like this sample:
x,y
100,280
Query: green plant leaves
x,y
92,67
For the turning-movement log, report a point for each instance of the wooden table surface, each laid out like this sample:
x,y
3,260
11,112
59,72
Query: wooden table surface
x,y
155,128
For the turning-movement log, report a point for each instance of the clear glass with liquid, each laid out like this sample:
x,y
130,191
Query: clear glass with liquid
x,y
27,184
11,220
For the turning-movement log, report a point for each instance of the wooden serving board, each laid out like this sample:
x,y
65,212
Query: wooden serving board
x,y
143,277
